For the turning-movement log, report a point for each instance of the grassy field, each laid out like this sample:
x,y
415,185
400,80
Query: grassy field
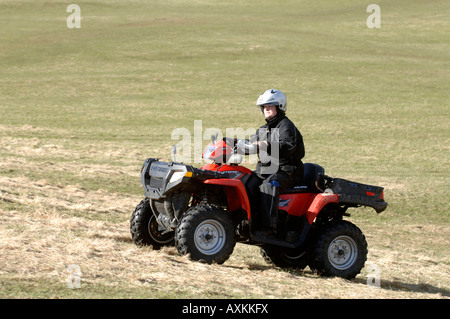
x,y
80,110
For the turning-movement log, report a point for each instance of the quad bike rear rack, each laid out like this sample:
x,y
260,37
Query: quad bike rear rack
x,y
355,194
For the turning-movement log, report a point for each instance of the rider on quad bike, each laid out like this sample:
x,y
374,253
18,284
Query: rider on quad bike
x,y
277,169
205,211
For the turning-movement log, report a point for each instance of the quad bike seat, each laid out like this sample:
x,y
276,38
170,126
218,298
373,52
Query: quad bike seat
x,y
311,181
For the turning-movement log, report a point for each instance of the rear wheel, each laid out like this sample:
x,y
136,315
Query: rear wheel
x,y
284,257
340,250
206,233
145,230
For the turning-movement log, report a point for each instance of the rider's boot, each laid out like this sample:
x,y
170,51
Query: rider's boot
x,y
268,214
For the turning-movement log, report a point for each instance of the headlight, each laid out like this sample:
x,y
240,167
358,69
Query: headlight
x,y
208,152
176,176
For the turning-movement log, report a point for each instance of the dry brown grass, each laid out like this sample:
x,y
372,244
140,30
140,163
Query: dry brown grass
x,y
47,226
52,227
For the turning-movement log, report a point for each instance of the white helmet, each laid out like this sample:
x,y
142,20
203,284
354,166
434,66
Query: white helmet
x,y
273,97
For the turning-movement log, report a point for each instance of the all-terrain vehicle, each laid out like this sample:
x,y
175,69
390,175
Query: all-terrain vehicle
x,y
205,211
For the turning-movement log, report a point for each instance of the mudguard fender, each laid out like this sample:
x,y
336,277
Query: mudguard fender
x,y
236,193
318,203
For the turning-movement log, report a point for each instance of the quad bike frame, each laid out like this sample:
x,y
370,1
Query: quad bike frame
x,y
205,211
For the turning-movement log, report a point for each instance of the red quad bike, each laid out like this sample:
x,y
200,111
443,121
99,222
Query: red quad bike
x,y
205,211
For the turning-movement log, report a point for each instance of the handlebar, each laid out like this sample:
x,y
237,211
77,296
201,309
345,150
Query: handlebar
x,y
241,146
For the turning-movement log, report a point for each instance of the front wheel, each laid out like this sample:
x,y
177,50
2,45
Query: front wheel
x,y
340,250
206,233
145,230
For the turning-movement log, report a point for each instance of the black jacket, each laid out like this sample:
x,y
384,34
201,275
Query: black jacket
x,y
281,133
